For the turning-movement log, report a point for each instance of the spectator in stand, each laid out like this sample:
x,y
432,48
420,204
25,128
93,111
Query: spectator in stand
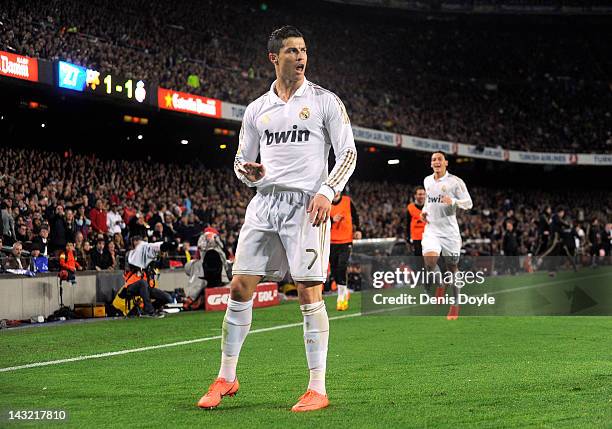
x,y
100,258
119,244
78,241
36,224
8,223
69,264
38,263
83,224
138,227
187,230
71,226
98,216
114,220
59,230
16,261
169,231
161,233
159,215
42,240
84,255
112,252
22,234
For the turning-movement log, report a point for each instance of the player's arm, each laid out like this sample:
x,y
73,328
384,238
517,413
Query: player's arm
x,y
462,197
341,135
339,129
245,166
425,209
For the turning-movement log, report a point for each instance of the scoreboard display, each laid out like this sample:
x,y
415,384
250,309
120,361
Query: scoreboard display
x,y
78,78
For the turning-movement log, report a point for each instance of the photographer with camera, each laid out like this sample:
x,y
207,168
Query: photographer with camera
x,y
140,275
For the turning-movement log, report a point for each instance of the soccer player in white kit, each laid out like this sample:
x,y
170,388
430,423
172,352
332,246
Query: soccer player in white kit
x,y
445,193
292,128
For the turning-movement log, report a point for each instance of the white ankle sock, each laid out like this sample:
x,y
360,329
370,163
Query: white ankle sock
x,y
316,336
342,289
236,325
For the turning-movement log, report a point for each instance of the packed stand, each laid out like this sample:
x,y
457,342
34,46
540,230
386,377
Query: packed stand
x,y
471,81
50,200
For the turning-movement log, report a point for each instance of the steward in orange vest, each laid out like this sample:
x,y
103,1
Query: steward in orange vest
x,y
345,227
415,225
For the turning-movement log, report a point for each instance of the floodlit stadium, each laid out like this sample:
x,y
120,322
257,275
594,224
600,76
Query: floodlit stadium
x,y
349,212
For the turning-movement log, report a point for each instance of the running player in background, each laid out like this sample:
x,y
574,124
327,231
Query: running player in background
x,y
445,192
291,128
344,227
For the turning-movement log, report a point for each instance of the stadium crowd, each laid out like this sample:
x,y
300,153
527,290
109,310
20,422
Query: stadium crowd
x,y
471,81
51,199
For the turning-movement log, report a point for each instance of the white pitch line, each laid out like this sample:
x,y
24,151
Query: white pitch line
x,y
159,346
254,331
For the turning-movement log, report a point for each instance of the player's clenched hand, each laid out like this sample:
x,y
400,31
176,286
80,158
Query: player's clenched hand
x,y
319,209
447,200
424,216
253,171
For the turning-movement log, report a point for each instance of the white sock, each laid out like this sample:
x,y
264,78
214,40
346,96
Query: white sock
x,y
236,325
342,292
316,336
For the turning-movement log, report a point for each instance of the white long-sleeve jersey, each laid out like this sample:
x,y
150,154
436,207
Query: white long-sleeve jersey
x,y
441,218
293,140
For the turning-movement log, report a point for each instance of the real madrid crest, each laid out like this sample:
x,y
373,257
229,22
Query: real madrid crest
x,y
305,113
443,188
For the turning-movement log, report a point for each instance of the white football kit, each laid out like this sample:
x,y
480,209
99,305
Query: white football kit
x,y
293,140
441,233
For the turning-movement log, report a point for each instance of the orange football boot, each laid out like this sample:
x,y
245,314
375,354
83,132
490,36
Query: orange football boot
x,y
216,391
310,401
453,313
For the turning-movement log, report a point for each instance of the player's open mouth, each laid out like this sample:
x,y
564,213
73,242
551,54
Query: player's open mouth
x,y
300,67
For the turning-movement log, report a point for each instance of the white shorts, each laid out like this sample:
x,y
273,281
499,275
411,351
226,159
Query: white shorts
x,y
277,236
444,244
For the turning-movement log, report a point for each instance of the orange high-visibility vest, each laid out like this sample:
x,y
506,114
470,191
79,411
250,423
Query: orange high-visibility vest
x,y
417,226
342,232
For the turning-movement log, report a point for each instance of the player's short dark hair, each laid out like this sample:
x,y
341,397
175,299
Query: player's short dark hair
x,y
439,151
275,42
418,188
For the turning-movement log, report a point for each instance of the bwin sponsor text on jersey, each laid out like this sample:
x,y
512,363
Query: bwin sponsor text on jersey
x,y
290,136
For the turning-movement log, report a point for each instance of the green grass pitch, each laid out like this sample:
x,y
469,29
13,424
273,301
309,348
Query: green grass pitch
x,y
383,371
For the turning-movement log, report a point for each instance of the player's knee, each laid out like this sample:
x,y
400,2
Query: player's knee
x,y
242,287
310,292
431,262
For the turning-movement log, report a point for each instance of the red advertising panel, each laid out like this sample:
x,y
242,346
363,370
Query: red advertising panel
x,y
18,66
188,103
266,295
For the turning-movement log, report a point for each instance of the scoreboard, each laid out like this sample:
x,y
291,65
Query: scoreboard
x,y
78,78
